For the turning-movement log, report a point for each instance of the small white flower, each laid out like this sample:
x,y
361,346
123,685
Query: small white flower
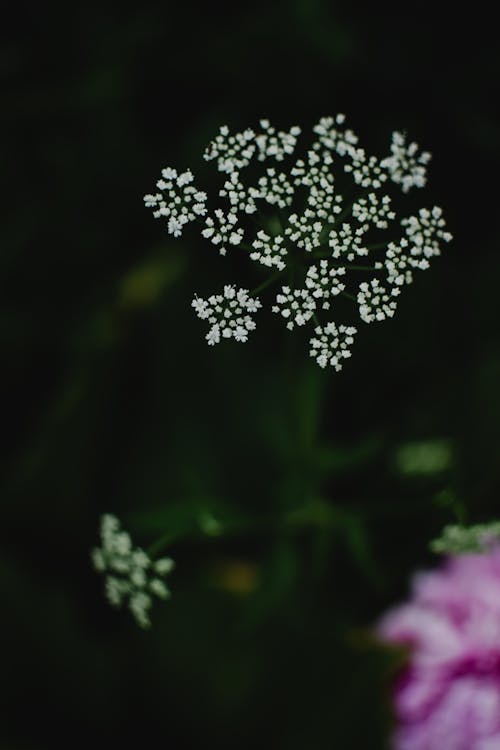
x,y
116,590
140,604
213,336
169,173
151,201
185,178
175,224
163,566
126,569
141,560
98,560
156,586
122,543
201,308
138,577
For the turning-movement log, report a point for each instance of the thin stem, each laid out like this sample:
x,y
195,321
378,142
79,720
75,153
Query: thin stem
x,y
267,282
245,246
163,541
316,513
349,296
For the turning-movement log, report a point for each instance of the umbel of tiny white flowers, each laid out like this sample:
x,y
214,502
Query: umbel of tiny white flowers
x,y
294,221
228,314
406,166
456,539
130,575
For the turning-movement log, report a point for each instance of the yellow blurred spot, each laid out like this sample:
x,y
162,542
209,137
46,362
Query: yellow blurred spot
x,y
143,285
236,576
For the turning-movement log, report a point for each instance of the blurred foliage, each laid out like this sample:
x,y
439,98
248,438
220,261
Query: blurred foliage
x,y
113,402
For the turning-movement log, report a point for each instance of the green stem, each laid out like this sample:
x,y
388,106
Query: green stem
x,y
163,541
349,296
246,246
316,513
267,282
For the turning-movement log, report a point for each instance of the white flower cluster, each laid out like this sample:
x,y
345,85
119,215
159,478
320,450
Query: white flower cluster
x,y
305,231
323,201
342,141
274,188
231,151
238,197
296,220
331,344
366,170
399,263
405,165
277,145
347,242
372,210
375,303
179,202
234,152
465,540
270,251
223,230
298,306
228,314
323,283
131,575
425,231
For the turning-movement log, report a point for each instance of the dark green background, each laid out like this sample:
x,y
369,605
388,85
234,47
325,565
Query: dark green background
x,y
113,402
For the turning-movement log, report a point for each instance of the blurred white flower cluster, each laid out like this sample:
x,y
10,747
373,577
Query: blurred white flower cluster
x,y
131,575
311,219
456,539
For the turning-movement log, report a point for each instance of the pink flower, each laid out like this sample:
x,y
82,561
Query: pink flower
x,y
448,697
